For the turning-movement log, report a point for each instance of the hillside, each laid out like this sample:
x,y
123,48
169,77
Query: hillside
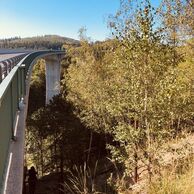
x,y
38,42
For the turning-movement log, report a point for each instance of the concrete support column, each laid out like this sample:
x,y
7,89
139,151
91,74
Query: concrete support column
x,y
53,71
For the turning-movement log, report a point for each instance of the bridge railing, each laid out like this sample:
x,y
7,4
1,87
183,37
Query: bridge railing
x,y
12,89
11,92
7,65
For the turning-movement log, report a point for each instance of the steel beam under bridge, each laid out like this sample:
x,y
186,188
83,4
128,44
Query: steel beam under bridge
x,y
14,93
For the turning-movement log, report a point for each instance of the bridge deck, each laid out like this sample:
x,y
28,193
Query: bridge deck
x,y
14,176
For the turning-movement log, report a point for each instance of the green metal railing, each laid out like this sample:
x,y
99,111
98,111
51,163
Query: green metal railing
x,y
9,104
12,90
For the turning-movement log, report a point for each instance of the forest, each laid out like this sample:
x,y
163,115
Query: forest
x,y
38,43
124,120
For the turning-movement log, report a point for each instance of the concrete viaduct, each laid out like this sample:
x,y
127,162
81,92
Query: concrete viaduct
x,y
15,74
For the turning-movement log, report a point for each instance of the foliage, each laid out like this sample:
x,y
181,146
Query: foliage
x,y
82,35
136,93
40,42
56,131
85,80
178,18
81,181
174,183
61,135
37,87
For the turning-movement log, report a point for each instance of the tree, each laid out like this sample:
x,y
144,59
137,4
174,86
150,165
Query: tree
x,y
178,17
135,93
58,140
37,88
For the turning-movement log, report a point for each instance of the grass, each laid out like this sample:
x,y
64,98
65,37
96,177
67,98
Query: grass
x,y
81,181
173,183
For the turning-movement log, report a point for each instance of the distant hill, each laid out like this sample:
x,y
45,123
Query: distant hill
x,y
54,42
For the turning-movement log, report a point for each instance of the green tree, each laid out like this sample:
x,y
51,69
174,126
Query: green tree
x,y
134,93
58,140
37,87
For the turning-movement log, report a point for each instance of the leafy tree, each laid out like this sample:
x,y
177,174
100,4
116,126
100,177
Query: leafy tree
x,y
82,34
178,17
62,140
37,88
39,42
135,93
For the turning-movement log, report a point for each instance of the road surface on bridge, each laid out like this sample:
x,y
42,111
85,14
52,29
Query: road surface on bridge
x,y
12,51
9,53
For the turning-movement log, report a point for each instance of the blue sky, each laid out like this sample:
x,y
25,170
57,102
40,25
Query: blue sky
x,y
27,18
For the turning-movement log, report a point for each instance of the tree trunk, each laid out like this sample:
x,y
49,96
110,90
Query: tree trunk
x,y
149,169
90,145
41,157
136,158
136,167
61,181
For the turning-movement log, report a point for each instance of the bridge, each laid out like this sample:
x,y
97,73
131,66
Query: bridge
x,y
15,73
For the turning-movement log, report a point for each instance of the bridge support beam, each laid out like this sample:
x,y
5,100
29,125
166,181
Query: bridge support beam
x,y
53,71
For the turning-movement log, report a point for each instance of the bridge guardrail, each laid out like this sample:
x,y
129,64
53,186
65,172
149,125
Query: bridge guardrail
x,y
10,97
7,65
9,102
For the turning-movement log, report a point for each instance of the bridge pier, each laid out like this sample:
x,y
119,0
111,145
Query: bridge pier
x,y
53,72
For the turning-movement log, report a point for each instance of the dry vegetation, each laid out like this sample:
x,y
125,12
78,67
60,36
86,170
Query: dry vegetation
x,y
129,99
